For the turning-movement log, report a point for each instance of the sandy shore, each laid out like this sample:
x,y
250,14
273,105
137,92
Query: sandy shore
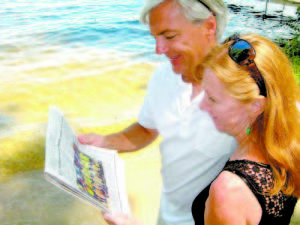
x,y
101,104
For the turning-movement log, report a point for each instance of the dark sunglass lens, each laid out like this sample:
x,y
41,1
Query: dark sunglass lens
x,y
240,51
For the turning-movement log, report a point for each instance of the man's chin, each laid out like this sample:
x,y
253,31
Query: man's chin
x,y
179,71
176,70
186,79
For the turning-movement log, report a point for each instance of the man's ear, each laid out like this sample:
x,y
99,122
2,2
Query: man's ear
x,y
211,26
258,106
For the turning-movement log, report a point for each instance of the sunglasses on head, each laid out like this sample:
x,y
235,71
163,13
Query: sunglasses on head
x,y
206,6
242,53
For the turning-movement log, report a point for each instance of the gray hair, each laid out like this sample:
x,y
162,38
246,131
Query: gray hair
x,y
195,11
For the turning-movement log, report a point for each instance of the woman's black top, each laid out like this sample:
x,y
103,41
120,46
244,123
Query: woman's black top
x,y
276,210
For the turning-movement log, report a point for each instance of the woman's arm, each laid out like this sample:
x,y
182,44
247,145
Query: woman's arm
x,y
231,202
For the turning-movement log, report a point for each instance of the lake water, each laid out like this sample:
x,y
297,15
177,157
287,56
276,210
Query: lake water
x,y
53,50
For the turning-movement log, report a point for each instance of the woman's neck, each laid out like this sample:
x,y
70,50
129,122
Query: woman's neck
x,y
248,151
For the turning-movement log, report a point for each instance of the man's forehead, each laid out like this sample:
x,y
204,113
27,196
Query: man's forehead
x,y
166,23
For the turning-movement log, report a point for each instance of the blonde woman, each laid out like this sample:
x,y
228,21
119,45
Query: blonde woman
x,y
251,94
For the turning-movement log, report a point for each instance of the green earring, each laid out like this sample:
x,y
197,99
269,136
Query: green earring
x,y
248,130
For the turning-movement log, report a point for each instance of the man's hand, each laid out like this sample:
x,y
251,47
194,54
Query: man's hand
x,y
121,219
92,139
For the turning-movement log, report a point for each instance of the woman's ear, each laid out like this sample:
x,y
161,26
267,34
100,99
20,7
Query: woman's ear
x,y
258,106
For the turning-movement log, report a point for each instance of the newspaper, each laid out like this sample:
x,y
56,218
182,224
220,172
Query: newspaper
x,y
92,174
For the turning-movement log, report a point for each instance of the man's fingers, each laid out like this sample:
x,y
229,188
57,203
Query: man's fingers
x,y
91,139
118,219
81,139
109,219
85,139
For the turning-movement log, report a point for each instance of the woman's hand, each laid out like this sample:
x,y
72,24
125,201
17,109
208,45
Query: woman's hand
x,y
121,219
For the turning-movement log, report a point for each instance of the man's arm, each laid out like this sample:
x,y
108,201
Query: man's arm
x,y
132,138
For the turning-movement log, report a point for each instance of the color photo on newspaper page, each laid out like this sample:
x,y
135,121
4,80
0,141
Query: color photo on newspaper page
x,y
92,174
90,177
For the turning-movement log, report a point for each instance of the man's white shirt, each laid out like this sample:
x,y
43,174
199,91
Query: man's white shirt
x,y
193,152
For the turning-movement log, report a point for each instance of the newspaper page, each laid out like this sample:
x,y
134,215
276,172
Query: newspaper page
x,y
92,174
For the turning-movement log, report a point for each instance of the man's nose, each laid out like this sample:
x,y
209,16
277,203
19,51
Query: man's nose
x,y
161,47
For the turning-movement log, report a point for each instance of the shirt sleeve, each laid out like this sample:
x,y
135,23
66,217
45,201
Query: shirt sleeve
x,y
146,116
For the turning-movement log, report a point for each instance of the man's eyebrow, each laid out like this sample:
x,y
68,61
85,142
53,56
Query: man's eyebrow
x,y
166,31
163,32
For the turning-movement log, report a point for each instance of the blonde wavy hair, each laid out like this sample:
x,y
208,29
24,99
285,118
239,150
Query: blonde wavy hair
x,y
194,11
277,130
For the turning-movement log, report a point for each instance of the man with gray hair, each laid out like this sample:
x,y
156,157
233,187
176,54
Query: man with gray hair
x,y
193,152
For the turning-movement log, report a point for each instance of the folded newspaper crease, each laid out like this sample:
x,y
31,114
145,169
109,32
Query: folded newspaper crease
x,y
94,175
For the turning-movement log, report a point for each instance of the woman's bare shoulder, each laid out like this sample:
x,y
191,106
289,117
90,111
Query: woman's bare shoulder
x,y
230,199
